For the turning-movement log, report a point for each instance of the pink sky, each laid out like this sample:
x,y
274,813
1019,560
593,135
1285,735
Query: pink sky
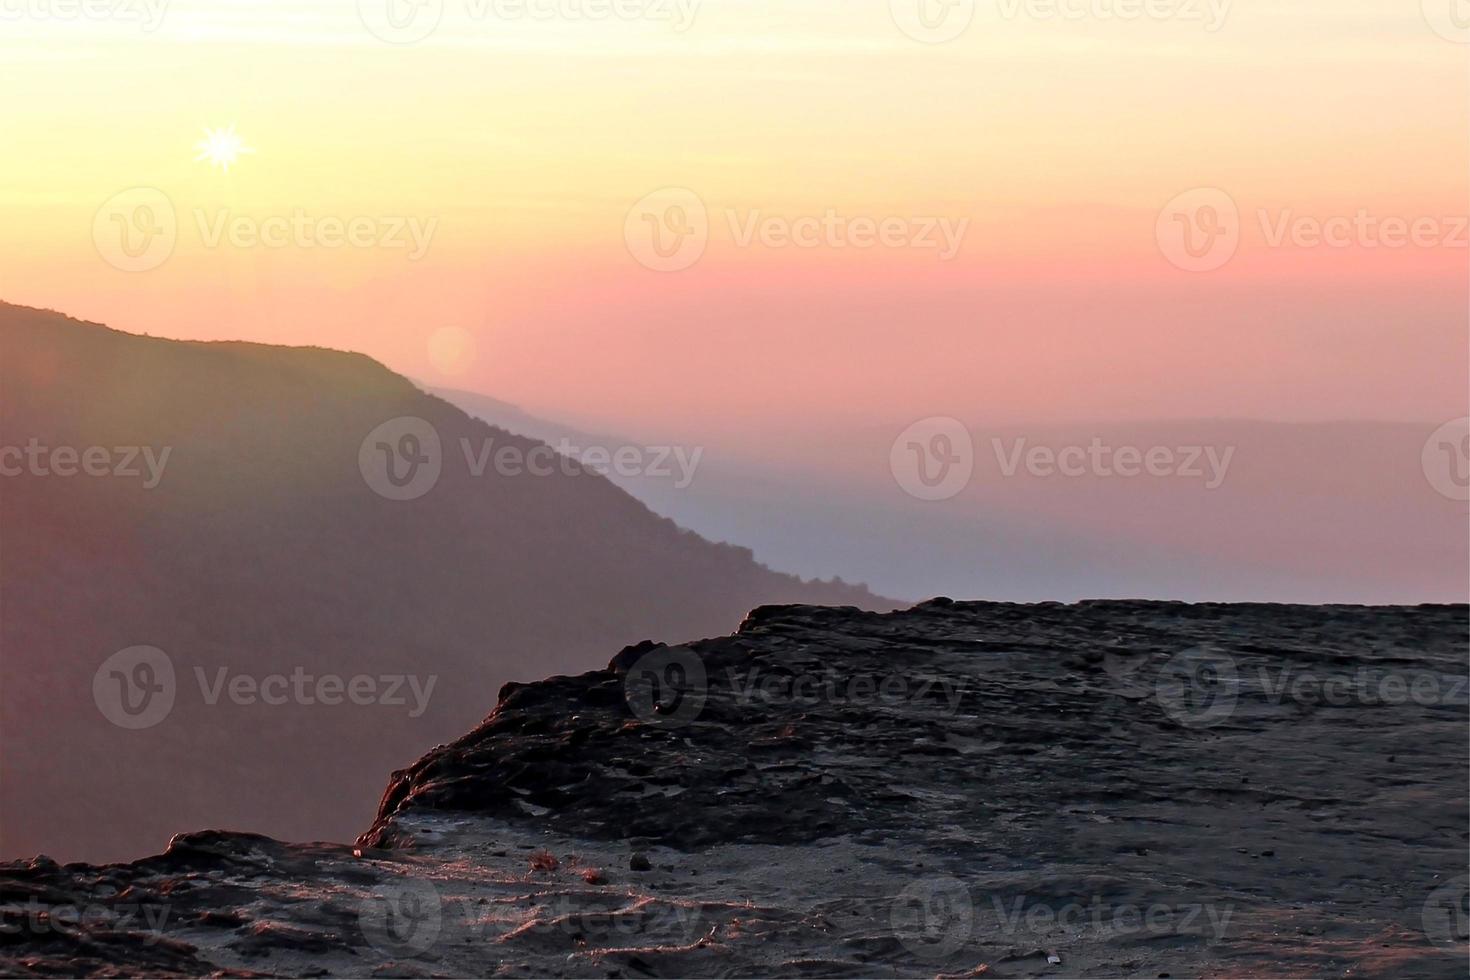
x,y
526,147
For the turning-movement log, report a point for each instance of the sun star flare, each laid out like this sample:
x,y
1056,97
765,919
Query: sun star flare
x,y
222,147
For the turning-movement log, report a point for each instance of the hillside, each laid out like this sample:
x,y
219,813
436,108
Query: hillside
x,y
224,503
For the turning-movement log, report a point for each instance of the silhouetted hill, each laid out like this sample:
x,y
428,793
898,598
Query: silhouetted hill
x,y
245,540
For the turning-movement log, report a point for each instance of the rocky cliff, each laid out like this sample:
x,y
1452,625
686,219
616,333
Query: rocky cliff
x,y
963,789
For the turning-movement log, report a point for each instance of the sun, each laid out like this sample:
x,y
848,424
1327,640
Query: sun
x,y
222,147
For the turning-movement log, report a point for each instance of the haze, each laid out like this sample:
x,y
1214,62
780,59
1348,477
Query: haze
x,y
508,155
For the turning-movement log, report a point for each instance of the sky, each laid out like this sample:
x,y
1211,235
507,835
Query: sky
x,y
751,223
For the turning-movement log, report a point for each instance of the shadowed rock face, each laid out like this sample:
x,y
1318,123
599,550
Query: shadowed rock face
x,y
962,788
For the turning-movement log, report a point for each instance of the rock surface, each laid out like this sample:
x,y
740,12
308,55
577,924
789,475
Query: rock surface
x,y
962,789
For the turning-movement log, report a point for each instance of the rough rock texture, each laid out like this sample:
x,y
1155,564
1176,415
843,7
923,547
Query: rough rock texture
x,y
975,789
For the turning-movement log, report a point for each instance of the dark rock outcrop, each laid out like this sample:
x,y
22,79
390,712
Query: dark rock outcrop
x,y
1102,789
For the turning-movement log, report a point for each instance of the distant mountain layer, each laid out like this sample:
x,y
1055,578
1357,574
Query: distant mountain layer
x,y
960,789
1242,510
240,581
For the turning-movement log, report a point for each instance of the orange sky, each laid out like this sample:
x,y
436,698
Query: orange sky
x,y
520,146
